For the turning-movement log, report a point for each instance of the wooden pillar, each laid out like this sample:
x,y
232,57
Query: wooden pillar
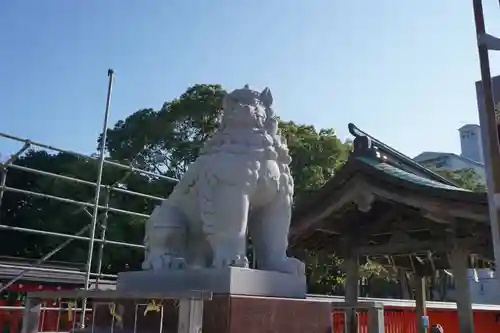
x,y
351,293
419,284
403,284
464,307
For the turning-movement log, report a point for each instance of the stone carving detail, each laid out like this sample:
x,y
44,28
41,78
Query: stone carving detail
x,y
241,181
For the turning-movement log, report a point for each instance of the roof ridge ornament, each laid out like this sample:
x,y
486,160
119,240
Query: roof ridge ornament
x,y
391,155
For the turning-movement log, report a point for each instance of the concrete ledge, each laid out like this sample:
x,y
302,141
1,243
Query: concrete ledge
x,y
230,280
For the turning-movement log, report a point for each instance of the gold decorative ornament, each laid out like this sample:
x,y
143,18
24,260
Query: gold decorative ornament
x,y
71,307
117,315
152,306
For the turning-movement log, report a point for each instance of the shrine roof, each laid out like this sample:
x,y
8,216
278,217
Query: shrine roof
x,y
405,175
391,206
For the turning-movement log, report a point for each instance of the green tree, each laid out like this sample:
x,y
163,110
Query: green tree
x,y
168,140
465,178
315,155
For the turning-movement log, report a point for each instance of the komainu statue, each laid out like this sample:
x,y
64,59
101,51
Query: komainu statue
x,y
240,182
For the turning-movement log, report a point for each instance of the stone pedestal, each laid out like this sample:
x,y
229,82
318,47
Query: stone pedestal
x,y
245,300
233,314
227,314
229,280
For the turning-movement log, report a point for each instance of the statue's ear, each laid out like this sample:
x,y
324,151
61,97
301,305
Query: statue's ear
x,y
266,97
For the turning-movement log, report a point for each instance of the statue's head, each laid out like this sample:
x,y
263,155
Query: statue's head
x,y
247,108
247,115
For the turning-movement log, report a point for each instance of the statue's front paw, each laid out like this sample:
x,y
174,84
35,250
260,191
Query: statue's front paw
x,y
240,261
236,261
162,261
177,263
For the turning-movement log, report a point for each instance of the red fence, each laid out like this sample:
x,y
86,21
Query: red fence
x,y
402,320
11,310
398,319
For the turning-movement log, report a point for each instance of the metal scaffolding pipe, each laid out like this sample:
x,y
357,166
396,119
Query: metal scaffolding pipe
x,y
102,149
54,270
3,182
57,234
86,157
43,308
44,258
3,168
73,202
81,181
15,156
104,226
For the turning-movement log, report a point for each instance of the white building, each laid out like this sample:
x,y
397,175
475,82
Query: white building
x,y
471,156
483,286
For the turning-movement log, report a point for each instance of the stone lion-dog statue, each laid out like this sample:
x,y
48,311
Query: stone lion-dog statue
x,y
240,182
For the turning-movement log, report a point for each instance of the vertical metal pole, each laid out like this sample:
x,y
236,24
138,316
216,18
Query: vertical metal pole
x,y
489,133
3,181
97,193
104,225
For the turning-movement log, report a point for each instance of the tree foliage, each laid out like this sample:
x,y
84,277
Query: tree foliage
x,y
465,178
163,141
315,155
168,140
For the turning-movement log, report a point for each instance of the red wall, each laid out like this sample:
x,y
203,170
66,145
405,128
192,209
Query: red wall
x,y
402,320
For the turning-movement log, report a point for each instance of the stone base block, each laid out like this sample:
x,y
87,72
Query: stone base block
x,y
226,314
232,314
230,280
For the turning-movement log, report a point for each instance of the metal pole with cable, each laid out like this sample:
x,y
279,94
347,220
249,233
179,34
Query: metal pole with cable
x,y
489,131
95,213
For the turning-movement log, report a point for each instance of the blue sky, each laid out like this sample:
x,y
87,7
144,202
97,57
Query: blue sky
x,y
403,71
